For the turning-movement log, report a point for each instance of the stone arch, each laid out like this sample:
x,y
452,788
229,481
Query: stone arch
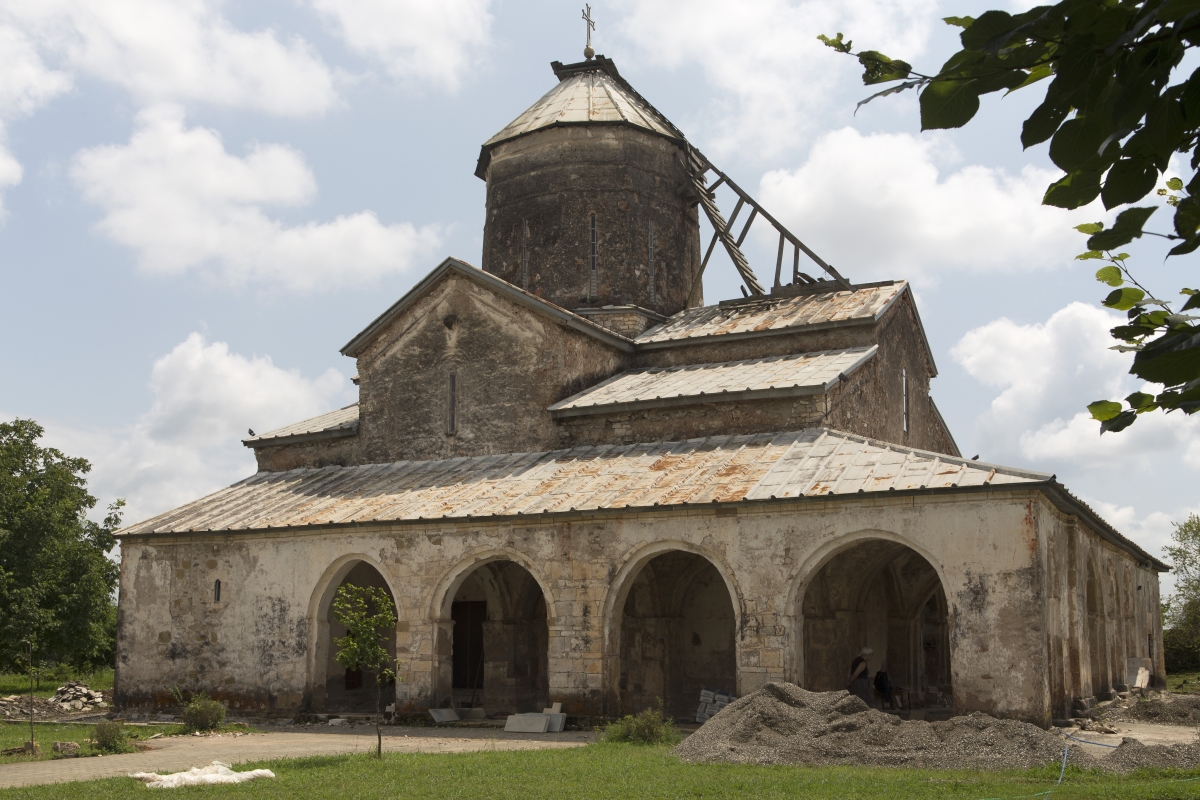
x,y
672,617
319,629
443,594
491,612
879,590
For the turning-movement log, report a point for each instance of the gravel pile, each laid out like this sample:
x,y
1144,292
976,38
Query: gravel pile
x,y
73,697
1132,755
784,724
1165,709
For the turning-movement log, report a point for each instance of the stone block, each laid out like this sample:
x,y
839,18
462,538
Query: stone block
x,y
66,748
443,715
528,723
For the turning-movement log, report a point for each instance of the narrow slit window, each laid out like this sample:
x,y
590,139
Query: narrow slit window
x,y
651,259
904,392
525,254
216,591
592,257
452,406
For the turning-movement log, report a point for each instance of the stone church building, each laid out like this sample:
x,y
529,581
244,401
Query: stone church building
x,y
579,483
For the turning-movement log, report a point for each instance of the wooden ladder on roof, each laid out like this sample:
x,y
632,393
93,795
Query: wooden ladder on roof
x,y
698,168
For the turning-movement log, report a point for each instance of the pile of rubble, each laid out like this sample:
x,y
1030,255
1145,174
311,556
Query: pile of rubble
x,y
15,707
1165,709
784,724
73,697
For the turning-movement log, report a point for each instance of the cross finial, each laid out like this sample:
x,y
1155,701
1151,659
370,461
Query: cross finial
x,y
588,52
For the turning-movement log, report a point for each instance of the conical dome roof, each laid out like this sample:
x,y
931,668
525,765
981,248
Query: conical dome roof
x,y
589,92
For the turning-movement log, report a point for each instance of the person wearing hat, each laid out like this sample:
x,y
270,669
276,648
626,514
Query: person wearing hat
x,y
859,669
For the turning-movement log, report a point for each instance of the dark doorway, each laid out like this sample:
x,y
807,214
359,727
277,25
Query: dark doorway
x,y
468,617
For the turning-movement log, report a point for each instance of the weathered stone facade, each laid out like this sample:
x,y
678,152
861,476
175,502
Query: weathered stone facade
x,y
554,526
1008,615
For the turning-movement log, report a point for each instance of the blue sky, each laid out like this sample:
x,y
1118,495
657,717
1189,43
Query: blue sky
x,y
203,201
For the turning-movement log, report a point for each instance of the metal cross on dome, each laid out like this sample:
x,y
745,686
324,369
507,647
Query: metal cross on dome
x,y
588,52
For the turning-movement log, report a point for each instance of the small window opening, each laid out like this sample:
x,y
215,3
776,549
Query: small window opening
x,y
651,261
216,591
354,678
592,257
525,254
452,410
904,391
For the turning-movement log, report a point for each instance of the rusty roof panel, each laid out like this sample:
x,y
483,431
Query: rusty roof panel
x,y
811,462
859,304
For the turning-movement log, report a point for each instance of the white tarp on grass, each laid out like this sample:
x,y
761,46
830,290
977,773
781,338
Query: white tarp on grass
x,y
216,772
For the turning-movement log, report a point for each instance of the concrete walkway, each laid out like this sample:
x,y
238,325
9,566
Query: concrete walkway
x,y
179,753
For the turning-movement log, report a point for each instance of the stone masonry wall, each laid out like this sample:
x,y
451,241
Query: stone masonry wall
x,y
255,648
553,181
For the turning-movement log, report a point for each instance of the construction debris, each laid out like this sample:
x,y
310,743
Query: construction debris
x,y
1165,709
711,702
784,724
74,696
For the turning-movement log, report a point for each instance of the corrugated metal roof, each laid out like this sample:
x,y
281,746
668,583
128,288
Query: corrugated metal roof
x,y
806,463
342,421
592,96
802,373
861,304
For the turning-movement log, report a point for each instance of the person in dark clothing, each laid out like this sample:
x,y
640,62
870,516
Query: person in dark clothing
x,y
859,683
883,685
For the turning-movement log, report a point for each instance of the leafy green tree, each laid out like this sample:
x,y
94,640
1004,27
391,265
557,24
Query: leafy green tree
x,y
1182,610
370,618
1115,111
56,580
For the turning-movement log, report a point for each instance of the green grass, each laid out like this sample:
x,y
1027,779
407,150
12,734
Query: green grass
x,y
622,772
100,680
14,734
1183,682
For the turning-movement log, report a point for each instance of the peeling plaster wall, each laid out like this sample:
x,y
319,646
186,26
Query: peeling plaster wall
x,y
253,648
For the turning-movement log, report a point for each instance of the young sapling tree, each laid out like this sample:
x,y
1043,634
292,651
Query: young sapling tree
x,y
369,617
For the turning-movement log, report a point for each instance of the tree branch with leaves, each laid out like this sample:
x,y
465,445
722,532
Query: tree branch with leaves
x,y
1115,112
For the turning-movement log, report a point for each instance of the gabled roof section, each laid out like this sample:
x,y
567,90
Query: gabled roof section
x,y
814,463
728,382
330,425
589,92
359,343
860,305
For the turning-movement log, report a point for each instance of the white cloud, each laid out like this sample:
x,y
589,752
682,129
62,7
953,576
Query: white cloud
x,y
878,206
1152,531
1047,372
189,441
771,76
182,202
414,39
177,50
26,83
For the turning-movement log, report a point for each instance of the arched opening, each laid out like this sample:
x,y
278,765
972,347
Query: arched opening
x,y
885,596
677,630
1097,634
348,690
498,643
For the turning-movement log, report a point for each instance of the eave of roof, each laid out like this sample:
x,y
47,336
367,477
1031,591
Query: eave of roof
x,y
359,343
811,465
